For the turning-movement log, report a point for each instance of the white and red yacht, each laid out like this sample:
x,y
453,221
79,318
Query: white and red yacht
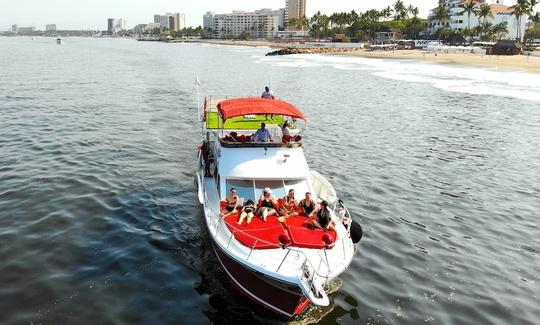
x,y
283,265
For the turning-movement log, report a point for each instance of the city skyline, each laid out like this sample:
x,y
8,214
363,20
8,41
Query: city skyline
x,y
73,15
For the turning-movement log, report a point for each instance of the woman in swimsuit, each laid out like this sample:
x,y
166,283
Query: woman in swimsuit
x,y
268,204
232,202
247,211
323,219
308,205
290,206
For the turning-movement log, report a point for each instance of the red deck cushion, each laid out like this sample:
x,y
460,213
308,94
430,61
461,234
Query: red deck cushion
x,y
301,236
258,234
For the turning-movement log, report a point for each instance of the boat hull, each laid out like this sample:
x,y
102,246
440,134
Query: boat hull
x,y
283,298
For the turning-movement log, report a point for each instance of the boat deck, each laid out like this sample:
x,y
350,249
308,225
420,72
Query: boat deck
x,y
255,251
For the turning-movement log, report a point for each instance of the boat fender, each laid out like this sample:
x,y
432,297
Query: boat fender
x,y
356,232
284,240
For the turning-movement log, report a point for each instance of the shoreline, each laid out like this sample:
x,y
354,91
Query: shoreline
x,y
518,63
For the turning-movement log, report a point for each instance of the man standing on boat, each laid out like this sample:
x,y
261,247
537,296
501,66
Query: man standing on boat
x,y
267,94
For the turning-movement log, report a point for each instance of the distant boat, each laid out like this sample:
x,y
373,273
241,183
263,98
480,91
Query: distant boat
x,y
59,40
33,38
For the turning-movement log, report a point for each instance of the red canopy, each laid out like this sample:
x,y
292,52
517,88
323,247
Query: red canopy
x,y
252,106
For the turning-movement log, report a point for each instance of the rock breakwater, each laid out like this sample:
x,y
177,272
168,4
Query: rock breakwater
x,y
314,50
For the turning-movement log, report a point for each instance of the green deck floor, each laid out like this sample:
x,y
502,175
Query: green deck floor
x,y
242,123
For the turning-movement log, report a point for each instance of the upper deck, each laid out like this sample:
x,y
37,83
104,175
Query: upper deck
x,y
235,121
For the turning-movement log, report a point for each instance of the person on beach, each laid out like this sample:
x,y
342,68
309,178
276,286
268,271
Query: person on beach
x,y
307,205
289,208
262,134
247,211
232,203
267,205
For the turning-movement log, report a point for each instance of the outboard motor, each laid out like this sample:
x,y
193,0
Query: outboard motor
x,y
356,230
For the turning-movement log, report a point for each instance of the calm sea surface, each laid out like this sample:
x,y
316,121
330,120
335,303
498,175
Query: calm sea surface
x,y
100,224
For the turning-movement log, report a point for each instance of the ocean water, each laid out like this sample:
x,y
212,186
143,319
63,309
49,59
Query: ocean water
x,y
99,220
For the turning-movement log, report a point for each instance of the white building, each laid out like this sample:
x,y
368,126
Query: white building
x,y
259,24
459,20
172,22
50,27
179,21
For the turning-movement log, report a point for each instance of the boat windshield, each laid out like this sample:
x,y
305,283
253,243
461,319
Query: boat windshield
x,y
250,189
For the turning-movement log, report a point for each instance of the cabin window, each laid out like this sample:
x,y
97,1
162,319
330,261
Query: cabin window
x,y
300,187
276,186
244,188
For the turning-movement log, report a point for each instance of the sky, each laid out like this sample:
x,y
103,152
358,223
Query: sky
x,y
93,14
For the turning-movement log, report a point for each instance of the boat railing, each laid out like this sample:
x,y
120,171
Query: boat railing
x,y
217,223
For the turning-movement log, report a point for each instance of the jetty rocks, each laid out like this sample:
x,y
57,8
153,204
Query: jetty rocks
x,y
313,50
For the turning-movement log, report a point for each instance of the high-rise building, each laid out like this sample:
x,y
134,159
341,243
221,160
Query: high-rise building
x,y
179,21
208,20
26,30
294,9
164,21
115,25
157,19
50,27
259,24
15,28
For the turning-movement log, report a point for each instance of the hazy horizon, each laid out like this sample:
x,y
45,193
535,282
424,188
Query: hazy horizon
x,y
75,15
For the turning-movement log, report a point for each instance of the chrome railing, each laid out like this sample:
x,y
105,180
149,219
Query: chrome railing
x,y
216,222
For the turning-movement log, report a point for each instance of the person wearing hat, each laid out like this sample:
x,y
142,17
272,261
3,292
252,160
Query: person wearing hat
x,y
267,204
285,132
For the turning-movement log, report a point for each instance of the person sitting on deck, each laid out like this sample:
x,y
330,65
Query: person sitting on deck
x,y
307,205
232,137
289,207
247,211
285,132
267,204
323,218
232,203
262,134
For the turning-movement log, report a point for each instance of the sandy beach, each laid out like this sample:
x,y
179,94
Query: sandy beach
x,y
514,62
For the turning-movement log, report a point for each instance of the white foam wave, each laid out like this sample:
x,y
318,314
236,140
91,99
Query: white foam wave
x,y
453,78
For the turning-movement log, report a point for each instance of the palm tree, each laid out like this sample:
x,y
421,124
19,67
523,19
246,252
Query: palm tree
x,y
469,7
500,29
386,12
400,11
442,15
484,11
522,7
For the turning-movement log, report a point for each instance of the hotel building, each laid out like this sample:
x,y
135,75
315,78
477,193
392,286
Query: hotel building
x,y
459,20
262,23
294,9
